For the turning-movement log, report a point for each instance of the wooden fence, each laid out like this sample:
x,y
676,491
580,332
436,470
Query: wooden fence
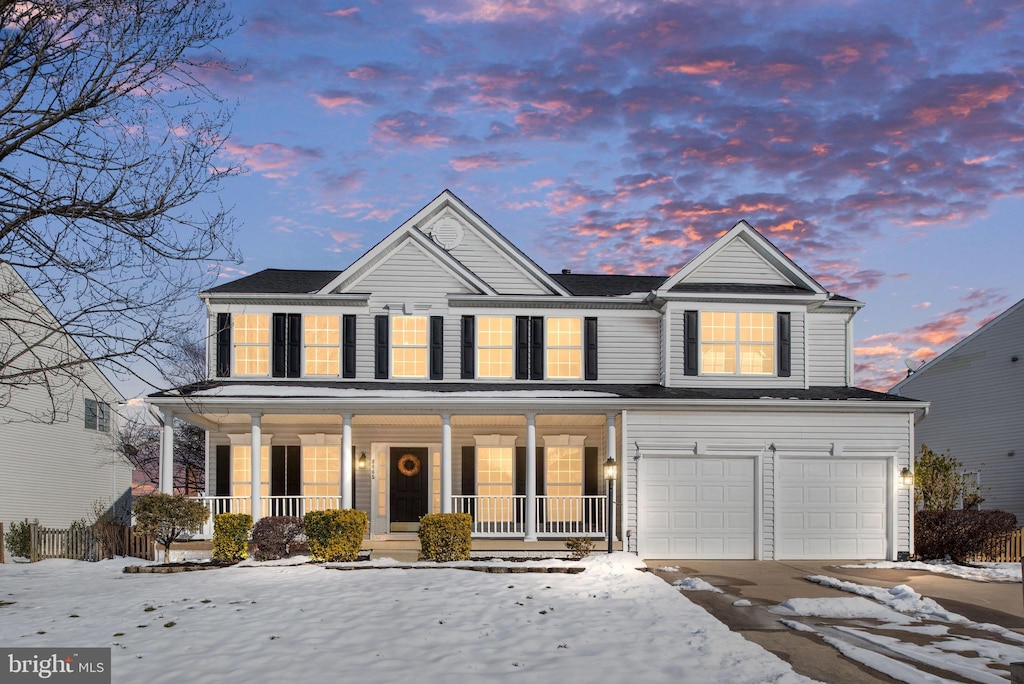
x,y
85,543
1004,548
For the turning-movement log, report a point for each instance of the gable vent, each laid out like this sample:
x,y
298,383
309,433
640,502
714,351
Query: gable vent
x,y
447,233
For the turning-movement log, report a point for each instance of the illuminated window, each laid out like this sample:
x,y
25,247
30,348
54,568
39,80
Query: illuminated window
x,y
409,346
321,343
241,467
494,342
494,473
252,344
564,348
321,475
737,343
563,476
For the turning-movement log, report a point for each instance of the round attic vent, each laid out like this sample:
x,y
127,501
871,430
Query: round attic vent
x,y
447,232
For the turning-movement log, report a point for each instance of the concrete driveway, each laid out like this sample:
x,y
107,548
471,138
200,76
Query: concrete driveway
x,y
768,583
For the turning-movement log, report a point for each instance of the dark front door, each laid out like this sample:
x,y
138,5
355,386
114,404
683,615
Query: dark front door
x,y
409,468
285,479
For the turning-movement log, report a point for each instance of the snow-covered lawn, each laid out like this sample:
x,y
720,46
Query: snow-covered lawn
x,y
979,572
307,623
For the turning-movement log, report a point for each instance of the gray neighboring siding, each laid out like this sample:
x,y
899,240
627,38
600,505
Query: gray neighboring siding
x,y
826,348
738,263
795,433
977,410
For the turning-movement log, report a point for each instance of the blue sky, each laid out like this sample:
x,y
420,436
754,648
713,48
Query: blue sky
x,y
879,144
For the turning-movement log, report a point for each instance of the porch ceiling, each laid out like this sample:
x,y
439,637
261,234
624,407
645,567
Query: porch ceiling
x,y
240,422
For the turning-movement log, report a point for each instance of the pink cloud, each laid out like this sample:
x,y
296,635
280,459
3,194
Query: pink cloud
x,y
272,160
486,161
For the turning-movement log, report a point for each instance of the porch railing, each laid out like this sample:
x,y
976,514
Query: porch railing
x,y
571,516
493,516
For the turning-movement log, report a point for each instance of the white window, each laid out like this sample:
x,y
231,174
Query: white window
x,y
564,341
321,345
97,415
409,346
563,477
321,475
494,341
737,343
252,344
495,478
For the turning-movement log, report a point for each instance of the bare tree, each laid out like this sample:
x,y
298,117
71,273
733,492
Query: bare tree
x,y
108,164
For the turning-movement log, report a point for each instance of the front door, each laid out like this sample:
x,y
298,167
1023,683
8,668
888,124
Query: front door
x,y
409,468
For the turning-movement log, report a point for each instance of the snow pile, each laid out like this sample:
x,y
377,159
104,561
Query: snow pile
x,y
853,607
742,603
696,584
979,572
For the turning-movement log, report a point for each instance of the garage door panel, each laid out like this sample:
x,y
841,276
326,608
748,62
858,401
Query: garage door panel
x,y
832,508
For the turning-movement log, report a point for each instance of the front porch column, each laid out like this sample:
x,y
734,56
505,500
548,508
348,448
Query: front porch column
x,y
531,478
256,447
167,453
346,460
610,446
446,463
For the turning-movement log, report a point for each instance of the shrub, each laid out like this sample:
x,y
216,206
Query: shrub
x,y
19,538
958,533
271,536
167,517
335,535
939,483
446,536
231,536
579,547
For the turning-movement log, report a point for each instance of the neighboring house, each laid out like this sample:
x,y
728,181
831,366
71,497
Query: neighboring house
x,y
57,459
444,371
976,390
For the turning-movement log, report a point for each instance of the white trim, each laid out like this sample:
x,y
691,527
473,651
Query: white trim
x,y
380,453
495,440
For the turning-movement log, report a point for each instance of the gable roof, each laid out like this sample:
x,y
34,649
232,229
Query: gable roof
x,y
1019,306
772,256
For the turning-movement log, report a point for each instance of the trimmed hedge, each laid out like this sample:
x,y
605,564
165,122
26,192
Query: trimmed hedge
x,y
958,533
271,536
446,536
231,536
335,535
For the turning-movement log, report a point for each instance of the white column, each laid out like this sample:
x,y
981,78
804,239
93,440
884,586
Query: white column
x,y
346,460
610,446
256,444
446,463
167,454
531,478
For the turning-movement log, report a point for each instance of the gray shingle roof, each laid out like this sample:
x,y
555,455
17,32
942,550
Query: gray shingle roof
x,y
584,285
277,281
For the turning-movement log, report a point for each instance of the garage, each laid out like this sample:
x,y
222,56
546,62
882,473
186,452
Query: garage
x,y
697,507
832,509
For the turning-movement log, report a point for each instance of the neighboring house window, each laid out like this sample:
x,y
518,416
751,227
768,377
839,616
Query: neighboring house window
x,y
322,338
494,478
252,344
97,415
494,347
409,346
564,348
734,343
564,478
321,474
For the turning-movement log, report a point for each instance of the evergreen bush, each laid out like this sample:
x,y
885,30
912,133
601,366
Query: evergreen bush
x,y
19,538
231,536
579,547
335,535
446,536
167,517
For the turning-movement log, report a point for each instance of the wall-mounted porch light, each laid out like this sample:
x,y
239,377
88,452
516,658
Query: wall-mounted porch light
x,y
906,477
610,471
361,461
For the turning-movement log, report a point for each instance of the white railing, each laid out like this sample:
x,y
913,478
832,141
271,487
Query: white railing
x,y
493,516
220,504
571,516
297,506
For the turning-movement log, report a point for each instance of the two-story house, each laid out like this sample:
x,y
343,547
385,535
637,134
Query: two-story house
x,y
445,371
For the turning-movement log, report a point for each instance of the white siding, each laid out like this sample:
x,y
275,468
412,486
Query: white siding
x,y
628,346
495,268
745,432
409,275
738,262
826,348
977,395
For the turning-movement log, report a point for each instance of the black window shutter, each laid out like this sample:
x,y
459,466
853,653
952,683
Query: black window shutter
x,y
520,471
222,486
540,471
223,345
348,346
468,347
437,347
522,347
591,471
294,345
537,348
380,347
469,477
785,346
690,353
293,470
280,345
590,349
278,470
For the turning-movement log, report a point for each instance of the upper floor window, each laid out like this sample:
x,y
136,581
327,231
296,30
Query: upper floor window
x,y
252,344
97,415
734,343
564,348
321,338
494,347
409,346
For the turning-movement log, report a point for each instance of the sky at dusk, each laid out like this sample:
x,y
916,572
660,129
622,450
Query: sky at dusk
x,y
879,144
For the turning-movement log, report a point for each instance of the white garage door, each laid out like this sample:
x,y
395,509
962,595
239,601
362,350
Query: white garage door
x,y
697,507
832,509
